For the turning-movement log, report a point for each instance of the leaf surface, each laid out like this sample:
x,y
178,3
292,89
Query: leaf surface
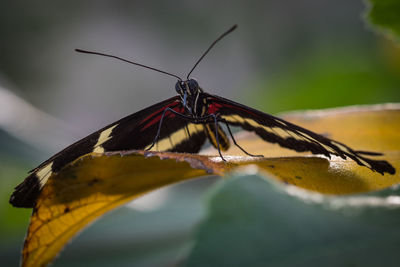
x,y
255,222
87,189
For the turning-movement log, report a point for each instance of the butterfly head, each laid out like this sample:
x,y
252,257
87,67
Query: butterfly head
x,y
189,87
188,90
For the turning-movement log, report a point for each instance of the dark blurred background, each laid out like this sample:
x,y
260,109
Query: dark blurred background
x,y
284,56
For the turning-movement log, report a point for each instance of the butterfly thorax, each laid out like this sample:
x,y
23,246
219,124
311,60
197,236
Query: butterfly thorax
x,y
192,98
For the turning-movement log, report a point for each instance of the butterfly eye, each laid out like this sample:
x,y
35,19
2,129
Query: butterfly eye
x,y
193,85
178,88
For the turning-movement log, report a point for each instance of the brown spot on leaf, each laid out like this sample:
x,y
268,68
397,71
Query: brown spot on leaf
x,y
93,181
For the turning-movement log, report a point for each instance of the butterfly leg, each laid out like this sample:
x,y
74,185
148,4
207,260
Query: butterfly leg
x,y
194,120
216,134
162,119
159,126
236,144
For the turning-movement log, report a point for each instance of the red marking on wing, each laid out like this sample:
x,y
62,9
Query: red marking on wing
x,y
157,118
214,107
157,112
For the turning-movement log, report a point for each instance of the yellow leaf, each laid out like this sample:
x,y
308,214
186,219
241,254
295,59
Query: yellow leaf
x,y
93,185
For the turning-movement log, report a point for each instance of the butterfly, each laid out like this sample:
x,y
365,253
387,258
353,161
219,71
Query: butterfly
x,y
183,123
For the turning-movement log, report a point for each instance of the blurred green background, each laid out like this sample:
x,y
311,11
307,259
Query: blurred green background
x,y
284,56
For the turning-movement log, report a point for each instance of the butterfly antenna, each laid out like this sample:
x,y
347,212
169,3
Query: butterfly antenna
x,y
211,46
131,62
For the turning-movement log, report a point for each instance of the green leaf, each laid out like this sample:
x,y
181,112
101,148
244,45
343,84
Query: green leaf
x,y
254,222
386,15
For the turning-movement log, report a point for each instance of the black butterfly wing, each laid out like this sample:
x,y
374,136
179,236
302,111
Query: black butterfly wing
x,y
136,131
288,135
